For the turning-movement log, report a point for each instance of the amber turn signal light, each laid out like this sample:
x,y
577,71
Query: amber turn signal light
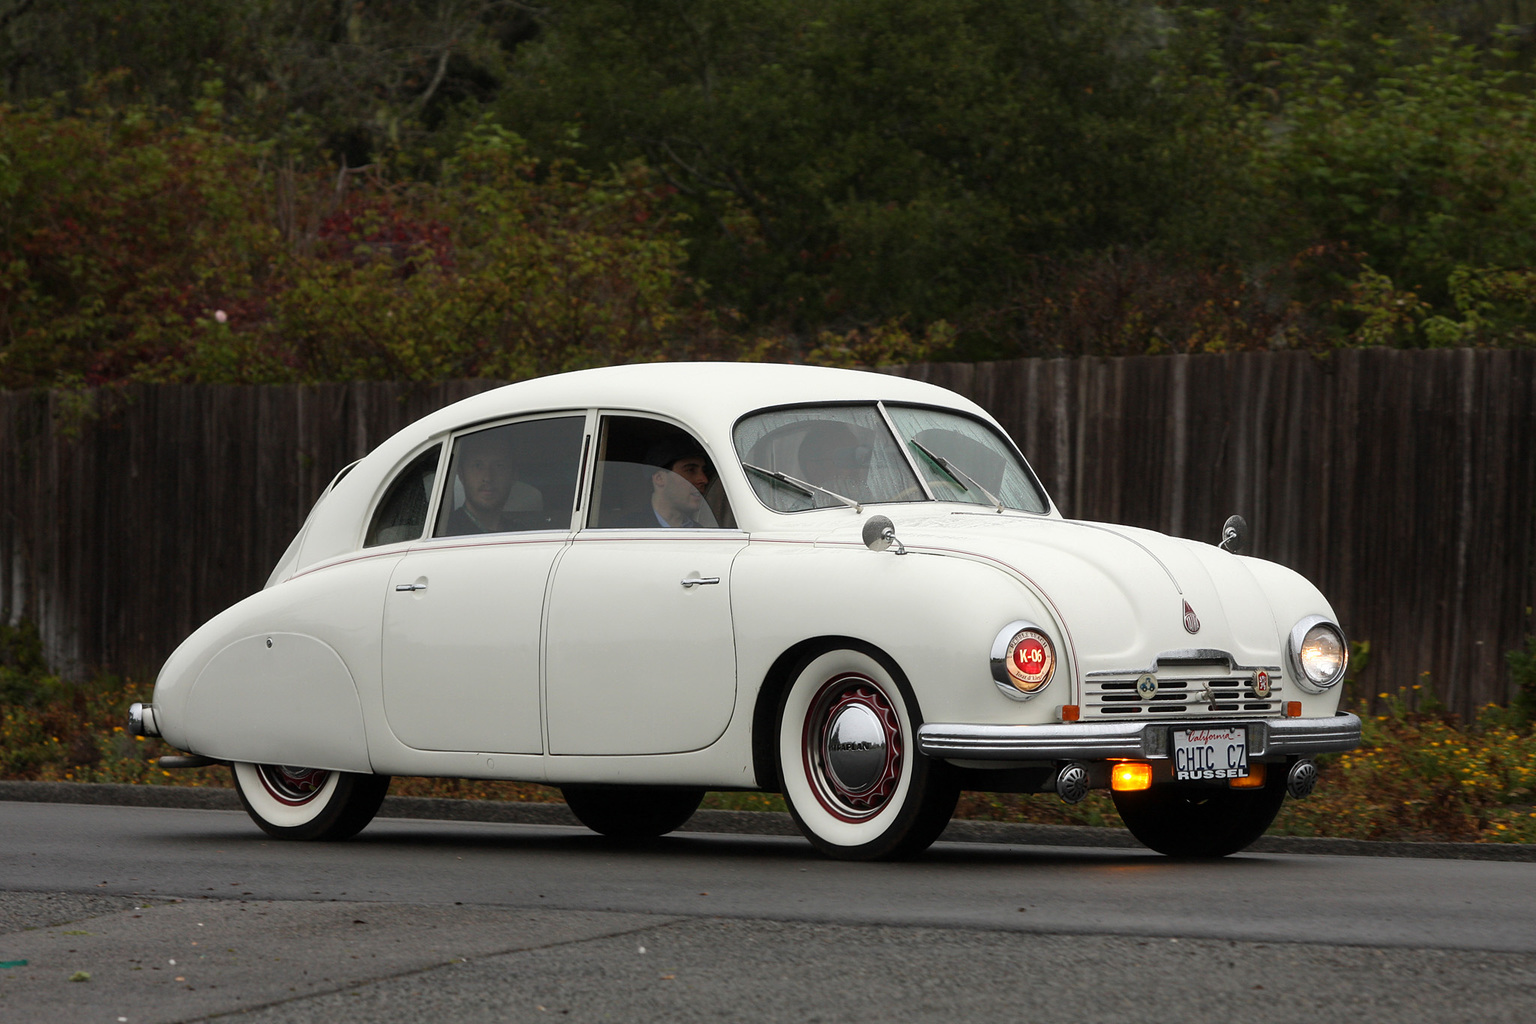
x,y
1293,709
1128,776
1255,779
1070,712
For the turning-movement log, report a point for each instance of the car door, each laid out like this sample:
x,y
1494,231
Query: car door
x,y
640,653
461,636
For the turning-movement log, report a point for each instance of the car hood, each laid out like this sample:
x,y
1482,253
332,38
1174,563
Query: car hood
x,y
1123,595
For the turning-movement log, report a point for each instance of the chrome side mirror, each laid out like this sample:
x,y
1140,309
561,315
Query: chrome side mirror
x,y
880,533
1234,535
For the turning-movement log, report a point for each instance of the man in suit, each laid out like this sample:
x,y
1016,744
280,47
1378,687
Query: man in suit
x,y
678,483
485,471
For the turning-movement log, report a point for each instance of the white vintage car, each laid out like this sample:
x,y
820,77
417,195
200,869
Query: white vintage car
x,y
644,582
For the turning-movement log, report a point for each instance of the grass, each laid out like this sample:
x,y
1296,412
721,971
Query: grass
x,y
1420,774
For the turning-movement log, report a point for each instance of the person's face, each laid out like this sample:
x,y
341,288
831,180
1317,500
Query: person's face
x,y
681,488
486,473
836,460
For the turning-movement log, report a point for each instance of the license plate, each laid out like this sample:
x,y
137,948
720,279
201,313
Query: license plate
x,y
1206,753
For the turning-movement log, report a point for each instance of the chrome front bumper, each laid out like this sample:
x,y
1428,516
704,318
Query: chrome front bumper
x,y
1095,741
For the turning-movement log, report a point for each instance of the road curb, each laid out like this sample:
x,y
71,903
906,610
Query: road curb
x,y
740,822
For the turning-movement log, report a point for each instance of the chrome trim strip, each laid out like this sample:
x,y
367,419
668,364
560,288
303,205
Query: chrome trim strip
x,y
1066,741
1098,740
1203,654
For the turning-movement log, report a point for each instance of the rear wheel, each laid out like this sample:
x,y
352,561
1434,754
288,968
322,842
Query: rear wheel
x,y
632,812
308,803
1201,821
848,761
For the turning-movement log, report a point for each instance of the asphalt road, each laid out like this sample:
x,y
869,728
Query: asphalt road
x,y
180,915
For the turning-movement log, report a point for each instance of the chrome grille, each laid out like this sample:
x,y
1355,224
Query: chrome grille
x,y
1203,688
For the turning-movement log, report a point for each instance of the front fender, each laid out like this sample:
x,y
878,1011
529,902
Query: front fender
x,y
935,615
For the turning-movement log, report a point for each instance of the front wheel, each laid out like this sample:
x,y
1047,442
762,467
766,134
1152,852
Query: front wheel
x,y
848,761
308,803
1201,821
632,812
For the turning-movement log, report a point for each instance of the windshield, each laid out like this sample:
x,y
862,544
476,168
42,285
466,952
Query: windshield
x,y
824,456
841,450
966,460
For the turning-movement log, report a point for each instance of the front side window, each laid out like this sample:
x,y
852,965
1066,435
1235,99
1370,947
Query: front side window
x,y
650,474
402,515
965,460
842,451
512,478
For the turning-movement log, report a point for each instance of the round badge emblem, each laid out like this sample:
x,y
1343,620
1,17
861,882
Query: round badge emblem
x,y
1146,686
1030,660
1261,684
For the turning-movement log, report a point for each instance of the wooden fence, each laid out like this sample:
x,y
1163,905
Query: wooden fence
x,y
1403,483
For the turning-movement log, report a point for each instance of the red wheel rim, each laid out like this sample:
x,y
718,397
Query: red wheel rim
x,y
852,748
292,786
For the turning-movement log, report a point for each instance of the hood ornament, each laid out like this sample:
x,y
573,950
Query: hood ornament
x,y
1191,620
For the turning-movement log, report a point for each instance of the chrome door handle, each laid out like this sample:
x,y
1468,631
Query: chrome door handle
x,y
410,586
700,581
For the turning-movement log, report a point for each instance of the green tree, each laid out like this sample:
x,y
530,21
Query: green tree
x,y
1426,166
869,159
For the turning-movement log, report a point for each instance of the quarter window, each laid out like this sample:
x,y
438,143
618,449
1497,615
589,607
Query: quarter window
x,y
402,515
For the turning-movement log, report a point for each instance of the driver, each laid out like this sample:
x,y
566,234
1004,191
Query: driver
x,y
832,456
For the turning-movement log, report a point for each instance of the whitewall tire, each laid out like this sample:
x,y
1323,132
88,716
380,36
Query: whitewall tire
x,y
308,803
848,761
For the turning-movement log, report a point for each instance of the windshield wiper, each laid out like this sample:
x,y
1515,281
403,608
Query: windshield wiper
x,y
805,487
955,473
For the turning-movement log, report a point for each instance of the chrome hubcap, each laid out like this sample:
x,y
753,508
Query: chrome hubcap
x,y
853,748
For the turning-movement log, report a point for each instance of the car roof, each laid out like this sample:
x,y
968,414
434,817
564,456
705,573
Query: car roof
x,y
709,395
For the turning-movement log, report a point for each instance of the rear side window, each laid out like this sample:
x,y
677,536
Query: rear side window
x,y
513,478
402,515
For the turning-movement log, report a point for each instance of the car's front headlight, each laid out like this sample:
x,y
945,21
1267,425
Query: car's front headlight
x,y
1023,659
1318,653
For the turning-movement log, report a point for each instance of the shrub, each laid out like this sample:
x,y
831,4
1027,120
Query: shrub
x,y
136,250
1522,670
